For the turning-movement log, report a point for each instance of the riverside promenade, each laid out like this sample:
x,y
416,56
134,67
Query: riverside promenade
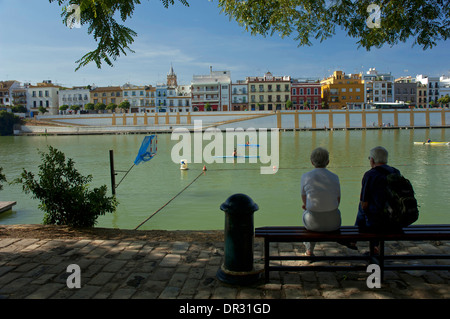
x,y
183,265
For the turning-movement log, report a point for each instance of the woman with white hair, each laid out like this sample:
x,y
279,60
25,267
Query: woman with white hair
x,y
321,195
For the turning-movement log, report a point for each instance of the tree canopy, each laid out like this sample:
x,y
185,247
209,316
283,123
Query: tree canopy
x,y
425,21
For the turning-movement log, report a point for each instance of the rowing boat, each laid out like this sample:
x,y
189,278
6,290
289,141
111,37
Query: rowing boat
x,y
249,145
433,143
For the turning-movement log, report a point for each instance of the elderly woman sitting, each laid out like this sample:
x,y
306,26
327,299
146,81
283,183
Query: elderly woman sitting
x,y
321,194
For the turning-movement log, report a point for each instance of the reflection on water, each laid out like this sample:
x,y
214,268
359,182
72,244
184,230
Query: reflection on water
x,y
151,185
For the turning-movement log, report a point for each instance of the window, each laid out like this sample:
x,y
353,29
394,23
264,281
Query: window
x,y
46,93
261,88
301,92
316,91
294,91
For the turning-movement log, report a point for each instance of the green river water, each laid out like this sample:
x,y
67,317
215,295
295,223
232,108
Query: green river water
x,y
149,186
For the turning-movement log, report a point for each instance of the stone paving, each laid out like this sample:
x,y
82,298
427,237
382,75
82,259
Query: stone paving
x,y
133,269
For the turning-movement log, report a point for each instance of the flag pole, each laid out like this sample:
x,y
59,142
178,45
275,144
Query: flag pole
x,y
113,173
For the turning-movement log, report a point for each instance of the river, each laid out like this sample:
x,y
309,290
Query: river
x,y
151,185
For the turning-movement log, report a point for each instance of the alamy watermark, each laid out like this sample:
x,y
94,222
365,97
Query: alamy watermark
x,y
257,146
74,279
74,19
374,19
374,279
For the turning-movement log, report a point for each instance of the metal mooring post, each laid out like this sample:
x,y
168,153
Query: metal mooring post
x,y
237,268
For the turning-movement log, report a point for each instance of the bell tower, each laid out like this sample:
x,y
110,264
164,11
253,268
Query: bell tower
x,y
172,78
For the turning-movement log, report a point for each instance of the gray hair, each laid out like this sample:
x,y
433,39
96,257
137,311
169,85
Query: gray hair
x,y
320,157
379,155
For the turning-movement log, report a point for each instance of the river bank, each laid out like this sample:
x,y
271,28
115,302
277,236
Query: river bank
x,y
65,232
117,264
301,120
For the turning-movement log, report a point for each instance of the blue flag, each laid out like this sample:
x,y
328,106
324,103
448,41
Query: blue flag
x,y
148,149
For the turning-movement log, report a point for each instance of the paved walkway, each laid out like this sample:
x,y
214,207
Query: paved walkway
x,y
124,269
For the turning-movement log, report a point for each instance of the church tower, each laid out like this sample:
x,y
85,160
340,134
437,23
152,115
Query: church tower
x,y
171,78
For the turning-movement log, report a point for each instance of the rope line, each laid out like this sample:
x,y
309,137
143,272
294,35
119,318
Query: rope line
x,y
157,211
126,173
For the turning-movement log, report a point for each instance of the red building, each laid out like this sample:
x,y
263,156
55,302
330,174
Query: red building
x,y
306,94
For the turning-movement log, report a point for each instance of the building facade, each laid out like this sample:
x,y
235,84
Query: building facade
x,y
211,92
74,96
378,87
432,84
306,94
422,99
239,95
19,94
45,94
106,95
268,93
136,96
406,90
444,86
342,90
181,102
6,92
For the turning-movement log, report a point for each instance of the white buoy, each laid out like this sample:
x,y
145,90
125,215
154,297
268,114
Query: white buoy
x,y
183,164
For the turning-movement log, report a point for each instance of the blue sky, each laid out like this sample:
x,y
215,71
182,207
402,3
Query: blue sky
x,y
37,46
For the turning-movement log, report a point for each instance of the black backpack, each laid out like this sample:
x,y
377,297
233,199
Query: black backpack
x,y
401,208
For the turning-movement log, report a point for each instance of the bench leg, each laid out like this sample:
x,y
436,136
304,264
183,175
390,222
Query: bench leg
x,y
381,259
378,259
266,258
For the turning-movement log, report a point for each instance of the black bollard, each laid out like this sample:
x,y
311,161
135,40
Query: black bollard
x,y
239,234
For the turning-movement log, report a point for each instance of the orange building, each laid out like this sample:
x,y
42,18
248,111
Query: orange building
x,y
342,90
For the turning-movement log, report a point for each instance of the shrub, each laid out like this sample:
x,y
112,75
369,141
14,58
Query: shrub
x,y
64,194
2,178
7,121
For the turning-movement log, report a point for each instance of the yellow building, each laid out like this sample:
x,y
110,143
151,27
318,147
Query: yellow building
x,y
342,90
268,93
106,95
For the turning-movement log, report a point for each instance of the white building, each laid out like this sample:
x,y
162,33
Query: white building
x,y
444,86
182,102
378,87
212,91
432,84
43,94
74,96
6,92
